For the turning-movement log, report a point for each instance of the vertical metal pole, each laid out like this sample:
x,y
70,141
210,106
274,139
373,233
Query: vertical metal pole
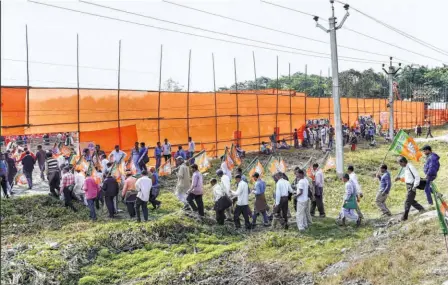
x,y
27,79
391,102
290,103
77,82
336,99
276,110
318,100
236,89
256,93
118,92
160,88
306,97
216,105
188,96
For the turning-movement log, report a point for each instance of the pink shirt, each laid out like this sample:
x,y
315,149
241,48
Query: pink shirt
x,y
91,188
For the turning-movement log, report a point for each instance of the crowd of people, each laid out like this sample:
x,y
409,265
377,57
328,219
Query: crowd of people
x,y
231,192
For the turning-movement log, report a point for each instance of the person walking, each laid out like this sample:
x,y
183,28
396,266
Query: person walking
x,y
53,175
191,148
158,155
183,180
302,200
143,158
383,193
412,180
12,170
296,138
129,193
67,184
282,190
349,205
429,133
110,191
225,185
358,190
431,169
135,155
78,190
242,204
143,186
91,190
260,206
4,175
318,192
117,155
40,159
419,131
28,167
331,133
219,194
155,189
195,192
166,148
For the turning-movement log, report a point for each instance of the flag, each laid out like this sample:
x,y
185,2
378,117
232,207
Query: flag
x,y
165,169
20,178
275,165
256,166
65,151
73,159
330,164
442,209
82,165
281,165
228,159
405,146
401,175
131,166
202,161
118,170
310,172
234,155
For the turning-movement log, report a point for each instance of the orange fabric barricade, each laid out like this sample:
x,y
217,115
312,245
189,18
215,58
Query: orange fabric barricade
x,y
108,138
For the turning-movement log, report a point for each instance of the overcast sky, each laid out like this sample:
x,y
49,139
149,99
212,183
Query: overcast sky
x,y
52,39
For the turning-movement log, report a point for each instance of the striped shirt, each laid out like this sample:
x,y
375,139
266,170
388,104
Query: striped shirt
x,y
52,165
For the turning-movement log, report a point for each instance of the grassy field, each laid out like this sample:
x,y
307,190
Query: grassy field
x,y
44,243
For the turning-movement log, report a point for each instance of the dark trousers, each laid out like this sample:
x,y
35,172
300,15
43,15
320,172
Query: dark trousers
x,y
42,170
131,209
142,166
428,189
198,206
144,205
53,182
29,178
109,200
220,216
11,175
91,205
319,203
68,199
158,162
281,211
167,156
236,216
4,184
410,201
265,217
429,134
153,200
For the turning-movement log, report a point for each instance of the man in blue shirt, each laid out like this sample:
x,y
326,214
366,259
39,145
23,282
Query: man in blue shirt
x,y
385,185
260,200
143,157
158,155
431,168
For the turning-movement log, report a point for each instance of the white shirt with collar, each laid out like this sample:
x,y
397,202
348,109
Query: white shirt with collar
x,y
354,179
143,186
225,181
226,170
319,178
411,175
242,192
302,185
282,189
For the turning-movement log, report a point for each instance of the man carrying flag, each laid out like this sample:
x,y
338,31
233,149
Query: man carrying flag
x,y
431,168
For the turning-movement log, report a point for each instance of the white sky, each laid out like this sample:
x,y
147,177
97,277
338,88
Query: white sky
x,y
52,38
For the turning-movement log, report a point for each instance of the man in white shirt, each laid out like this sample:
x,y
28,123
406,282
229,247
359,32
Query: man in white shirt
x,y
412,180
166,150
143,186
302,201
318,192
226,169
218,193
104,162
77,190
323,135
191,147
282,190
354,180
242,204
225,183
117,155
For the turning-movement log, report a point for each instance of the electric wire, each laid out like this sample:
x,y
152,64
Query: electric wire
x,y
191,34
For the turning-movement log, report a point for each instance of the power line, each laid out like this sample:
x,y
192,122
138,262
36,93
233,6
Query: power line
x,y
212,31
272,29
439,50
195,35
354,31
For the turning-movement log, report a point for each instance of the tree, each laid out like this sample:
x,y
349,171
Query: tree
x,y
171,85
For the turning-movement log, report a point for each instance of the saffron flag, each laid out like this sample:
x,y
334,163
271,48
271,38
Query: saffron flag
x,y
118,170
131,166
330,164
82,165
256,167
281,165
234,155
20,178
442,209
202,161
405,146
228,159
165,169
275,165
66,151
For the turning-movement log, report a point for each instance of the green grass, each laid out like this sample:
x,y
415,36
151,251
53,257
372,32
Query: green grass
x,y
119,251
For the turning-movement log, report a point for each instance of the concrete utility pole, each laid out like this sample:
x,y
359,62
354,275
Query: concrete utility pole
x,y
392,71
335,74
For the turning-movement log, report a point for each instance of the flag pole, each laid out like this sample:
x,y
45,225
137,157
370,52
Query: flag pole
x,y
250,164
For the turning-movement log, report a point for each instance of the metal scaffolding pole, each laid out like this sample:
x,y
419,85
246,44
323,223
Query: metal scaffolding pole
x,y
118,93
216,105
188,95
256,94
160,88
